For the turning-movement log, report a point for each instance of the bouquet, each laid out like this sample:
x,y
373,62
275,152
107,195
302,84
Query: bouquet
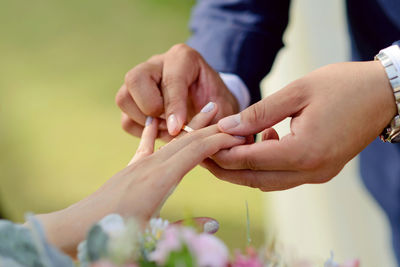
x,y
118,242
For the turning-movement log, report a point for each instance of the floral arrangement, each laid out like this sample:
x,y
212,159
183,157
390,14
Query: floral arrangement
x,y
118,242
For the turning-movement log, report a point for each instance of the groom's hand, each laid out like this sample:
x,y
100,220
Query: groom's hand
x,y
176,84
336,112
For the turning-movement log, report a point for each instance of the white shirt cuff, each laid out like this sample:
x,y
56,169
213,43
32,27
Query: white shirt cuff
x,y
237,87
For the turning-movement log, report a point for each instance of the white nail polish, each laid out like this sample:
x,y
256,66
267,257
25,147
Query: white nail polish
x,y
240,137
207,108
211,227
149,120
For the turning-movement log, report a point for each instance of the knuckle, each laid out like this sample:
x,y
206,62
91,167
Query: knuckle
x,y
121,98
135,75
181,47
251,163
256,113
185,50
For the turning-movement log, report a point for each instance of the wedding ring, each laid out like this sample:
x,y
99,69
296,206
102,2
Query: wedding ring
x,y
187,129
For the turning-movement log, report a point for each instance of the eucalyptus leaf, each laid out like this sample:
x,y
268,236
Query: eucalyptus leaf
x,y
7,262
50,256
17,244
96,243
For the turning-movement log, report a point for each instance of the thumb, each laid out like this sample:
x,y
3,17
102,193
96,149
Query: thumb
x,y
263,114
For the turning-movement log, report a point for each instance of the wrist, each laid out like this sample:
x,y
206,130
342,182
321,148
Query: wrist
x,y
389,58
63,230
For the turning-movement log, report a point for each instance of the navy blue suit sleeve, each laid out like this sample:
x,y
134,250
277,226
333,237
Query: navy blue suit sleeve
x,y
240,36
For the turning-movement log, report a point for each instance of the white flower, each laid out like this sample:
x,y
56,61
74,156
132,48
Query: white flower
x,y
112,224
156,227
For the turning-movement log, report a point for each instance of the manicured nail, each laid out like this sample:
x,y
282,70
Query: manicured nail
x,y
149,120
172,124
229,122
211,227
207,108
240,137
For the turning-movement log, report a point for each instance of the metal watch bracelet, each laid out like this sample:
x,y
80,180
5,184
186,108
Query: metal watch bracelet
x,y
391,133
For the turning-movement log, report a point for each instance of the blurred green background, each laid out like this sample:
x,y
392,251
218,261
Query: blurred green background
x,y
61,65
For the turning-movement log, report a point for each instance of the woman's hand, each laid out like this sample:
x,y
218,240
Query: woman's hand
x,y
141,188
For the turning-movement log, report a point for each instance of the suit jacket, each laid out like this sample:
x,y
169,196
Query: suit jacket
x,y
243,37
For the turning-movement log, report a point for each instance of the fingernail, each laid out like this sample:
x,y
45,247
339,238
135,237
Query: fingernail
x,y
240,137
211,227
229,122
149,120
207,108
172,124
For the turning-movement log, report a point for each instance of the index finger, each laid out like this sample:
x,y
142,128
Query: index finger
x,y
266,155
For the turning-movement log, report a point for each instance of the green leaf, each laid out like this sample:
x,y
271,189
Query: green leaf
x,y
145,263
181,258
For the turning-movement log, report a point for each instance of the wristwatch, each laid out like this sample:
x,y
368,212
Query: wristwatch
x,y
390,59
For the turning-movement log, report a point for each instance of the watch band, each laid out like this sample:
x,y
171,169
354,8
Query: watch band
x,y
392,132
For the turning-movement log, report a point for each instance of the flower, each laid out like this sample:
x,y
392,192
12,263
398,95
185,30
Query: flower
x,y
249,260
157,227
351,263
207,249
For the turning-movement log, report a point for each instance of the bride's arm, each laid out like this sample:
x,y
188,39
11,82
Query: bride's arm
x,y
140,188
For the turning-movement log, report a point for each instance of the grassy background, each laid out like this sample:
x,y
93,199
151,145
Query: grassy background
x,y
60,138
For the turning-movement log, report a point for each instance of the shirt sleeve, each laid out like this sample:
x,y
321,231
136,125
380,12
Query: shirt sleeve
x,y
237,87
240,37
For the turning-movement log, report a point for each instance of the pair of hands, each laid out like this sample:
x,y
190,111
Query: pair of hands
x,y
336,111
141,188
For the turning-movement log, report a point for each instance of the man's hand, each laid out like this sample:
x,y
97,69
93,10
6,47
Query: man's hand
x,y
336,112
176,84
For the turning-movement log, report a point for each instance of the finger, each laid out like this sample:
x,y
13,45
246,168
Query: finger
x,y
142,84
268,134
267,155
204,117
207,224
195,152
177,144
264,113
146,145
130,126
264,180
125,102
179,72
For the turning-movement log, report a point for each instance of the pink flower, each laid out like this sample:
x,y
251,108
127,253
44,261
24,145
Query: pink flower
x,y
249,260
207,249
351,263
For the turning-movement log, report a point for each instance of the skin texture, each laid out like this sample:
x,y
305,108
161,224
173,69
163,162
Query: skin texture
x,y
336,112
141,188
179,83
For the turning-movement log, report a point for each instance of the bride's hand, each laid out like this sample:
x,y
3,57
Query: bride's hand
x,y
140,188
